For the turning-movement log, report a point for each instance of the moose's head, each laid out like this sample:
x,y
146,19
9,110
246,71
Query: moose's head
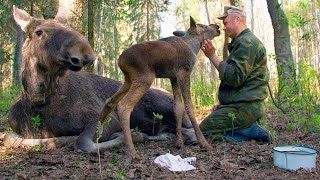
x,y
50,49
205,31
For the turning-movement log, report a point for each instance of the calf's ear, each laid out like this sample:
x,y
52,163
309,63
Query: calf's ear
x,y
21,17
62,15
193,25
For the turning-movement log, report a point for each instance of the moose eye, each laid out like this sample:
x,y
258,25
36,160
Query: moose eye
x,y
39,32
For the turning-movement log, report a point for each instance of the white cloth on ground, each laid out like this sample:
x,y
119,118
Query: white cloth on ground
x,y
175,163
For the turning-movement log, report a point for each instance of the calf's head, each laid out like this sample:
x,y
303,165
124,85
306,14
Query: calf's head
x,y
50,49
200,31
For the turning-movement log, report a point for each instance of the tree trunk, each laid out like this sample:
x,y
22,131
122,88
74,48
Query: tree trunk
x,y
284,60
90,31
213,69
17,59
252,16
148,21
207,11
225,52
98,62
316,40
116,48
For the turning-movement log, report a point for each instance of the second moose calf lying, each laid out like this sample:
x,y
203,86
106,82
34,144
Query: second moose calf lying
x,y
173,58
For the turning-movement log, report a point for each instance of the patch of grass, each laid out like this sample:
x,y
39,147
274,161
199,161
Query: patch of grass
x,y
203,94
168,147
204,157
38,148
20,167
7,97
81,159
120,175
115,159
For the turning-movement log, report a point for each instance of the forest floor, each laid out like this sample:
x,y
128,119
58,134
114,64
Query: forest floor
x,y
228,160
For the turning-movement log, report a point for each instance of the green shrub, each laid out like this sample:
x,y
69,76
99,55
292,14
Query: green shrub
x,y
8,96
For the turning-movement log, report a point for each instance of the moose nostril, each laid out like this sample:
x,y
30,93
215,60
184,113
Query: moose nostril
x,y
75,60
41,87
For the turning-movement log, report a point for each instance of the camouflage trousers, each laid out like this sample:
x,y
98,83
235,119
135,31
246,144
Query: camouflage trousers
x,y
232,117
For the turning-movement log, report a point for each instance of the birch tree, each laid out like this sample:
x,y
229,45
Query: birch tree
x,y
284,59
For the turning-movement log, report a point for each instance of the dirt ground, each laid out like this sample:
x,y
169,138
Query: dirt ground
x,y
228,160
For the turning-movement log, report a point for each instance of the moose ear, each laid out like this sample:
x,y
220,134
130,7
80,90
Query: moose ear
x,y
193,24
21,17
179,33
62,15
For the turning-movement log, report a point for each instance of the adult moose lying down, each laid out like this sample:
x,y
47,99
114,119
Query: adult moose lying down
x,y
68,103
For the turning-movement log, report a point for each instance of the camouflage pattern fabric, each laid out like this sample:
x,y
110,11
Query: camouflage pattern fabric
x,y
244,79
232,116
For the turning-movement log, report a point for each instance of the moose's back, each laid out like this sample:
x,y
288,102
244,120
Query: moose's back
x,y
77,102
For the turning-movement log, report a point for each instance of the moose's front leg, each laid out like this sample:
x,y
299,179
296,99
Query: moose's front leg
x,y
185,88
178,111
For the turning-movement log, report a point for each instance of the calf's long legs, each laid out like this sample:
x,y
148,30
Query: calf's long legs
x,y
186,94
138,87
178,111
111,103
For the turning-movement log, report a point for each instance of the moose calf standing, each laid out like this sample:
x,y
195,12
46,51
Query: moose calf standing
x,y
173,58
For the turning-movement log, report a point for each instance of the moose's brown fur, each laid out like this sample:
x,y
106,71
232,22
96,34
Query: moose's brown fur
x,y
68,103
173,58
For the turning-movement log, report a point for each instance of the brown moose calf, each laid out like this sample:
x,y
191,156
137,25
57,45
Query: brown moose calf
x,y
173,58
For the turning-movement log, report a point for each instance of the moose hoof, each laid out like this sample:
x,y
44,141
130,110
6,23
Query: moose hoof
x,y
133,155
179,144
12,140
206,146
85,145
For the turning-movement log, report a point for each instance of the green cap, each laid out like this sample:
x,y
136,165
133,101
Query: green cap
x,y
232,10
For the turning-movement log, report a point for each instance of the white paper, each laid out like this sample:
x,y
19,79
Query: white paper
x,y
175,163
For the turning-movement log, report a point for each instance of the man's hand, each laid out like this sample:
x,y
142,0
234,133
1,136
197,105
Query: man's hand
x,y
210,51
208,48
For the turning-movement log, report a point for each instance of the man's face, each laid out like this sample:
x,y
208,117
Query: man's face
x,y
230,26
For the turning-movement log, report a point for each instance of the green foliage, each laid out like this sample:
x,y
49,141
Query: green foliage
x,y
203,94
38,147
136,129
7,97
168,147
157,116
81,159
120,175
302,103
314,123
218,137
37,120
100,127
